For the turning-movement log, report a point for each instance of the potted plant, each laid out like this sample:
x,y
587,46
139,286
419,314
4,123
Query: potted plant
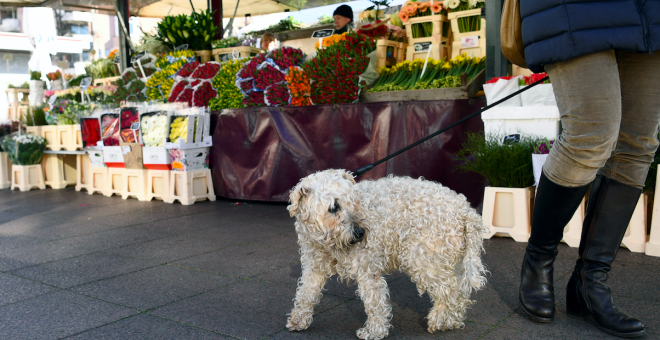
x,y
505,161
25,152
55,80
36,88
466,25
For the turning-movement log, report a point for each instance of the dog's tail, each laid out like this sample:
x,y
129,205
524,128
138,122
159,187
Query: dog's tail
x,y
474,272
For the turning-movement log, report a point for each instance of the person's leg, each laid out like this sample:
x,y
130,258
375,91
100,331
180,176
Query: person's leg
x,y
615,194
588,95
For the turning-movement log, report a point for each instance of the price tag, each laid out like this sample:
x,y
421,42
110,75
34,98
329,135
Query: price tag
x,y
84,84
422,47
138,56
181,48
510,139
52,99
126,149
471,41
135,126
235,54
117,59
323,33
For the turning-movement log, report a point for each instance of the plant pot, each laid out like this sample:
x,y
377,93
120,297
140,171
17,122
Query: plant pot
x,y
56,85
542,121
508,212
539,95
36,92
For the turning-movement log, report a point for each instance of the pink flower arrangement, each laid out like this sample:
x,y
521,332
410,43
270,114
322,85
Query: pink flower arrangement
x,y
286,57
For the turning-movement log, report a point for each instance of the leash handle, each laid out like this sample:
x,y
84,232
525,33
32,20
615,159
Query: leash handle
x,y
363,170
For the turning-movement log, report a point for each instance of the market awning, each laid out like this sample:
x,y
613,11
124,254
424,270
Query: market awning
x,y
162,8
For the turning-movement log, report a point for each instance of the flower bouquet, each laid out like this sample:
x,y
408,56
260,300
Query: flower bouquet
x,y
277,95
539,157
160,84
466,24
285,57
500,87
55,80
203,93
90,131
154,127
299,86
229,96
414,9
110,129
254,99
335,70
24,149
128,116
539,95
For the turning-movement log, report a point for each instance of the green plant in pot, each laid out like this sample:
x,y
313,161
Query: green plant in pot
x,y
508,200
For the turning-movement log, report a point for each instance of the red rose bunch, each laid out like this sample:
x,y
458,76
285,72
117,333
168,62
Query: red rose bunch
x,y
267,76
245,85
249,70
176,90
188,69
129,76
336,68
286,57
254,99
277,95
203,94
186,96
206,71
371,31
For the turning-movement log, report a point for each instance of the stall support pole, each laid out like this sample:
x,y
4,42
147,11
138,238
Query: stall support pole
x,y
124,48
496,64
216,5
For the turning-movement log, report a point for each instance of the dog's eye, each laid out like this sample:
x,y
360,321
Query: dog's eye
x,y
334,208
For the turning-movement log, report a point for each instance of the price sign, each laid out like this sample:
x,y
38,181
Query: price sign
x,y
510,139
181,48
235,54
85,82
52,99
323,33
135,126
421,47
471,41
117,59
138,56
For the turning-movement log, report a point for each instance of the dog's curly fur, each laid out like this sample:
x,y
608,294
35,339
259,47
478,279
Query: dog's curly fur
x,y
366,230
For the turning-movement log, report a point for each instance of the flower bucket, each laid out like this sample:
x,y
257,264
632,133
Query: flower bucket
x,y
56,85
203,56
501,89
539,95
36,92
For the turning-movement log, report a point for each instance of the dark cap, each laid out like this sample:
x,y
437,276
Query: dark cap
x,y
344,10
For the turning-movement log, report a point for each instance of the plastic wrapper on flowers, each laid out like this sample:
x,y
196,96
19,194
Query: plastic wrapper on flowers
x,y
285,57
110,129
130,87
277,95
154,127
203,93
160,84
24,149
229,96
267,74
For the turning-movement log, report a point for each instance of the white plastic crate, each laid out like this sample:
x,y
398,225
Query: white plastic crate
x,y
542,121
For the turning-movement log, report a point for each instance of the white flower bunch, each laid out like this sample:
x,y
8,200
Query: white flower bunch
x,y
28,139
453,3
154,129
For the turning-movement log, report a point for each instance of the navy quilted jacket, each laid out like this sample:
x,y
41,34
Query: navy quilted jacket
x,y
558,30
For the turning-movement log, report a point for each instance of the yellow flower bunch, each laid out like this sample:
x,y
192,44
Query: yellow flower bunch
x,y
160,84
331,40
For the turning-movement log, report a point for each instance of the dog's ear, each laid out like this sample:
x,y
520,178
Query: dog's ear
x,y
348,176
297,193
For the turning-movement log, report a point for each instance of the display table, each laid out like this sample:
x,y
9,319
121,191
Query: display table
x,y
261,153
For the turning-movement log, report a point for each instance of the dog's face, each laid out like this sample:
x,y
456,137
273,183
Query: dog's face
x,y
325,205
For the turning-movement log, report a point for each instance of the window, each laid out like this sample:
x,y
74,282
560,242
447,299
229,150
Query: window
x,y
83,29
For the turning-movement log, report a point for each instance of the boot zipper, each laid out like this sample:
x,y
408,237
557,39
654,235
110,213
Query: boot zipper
x,y
642,14
601,194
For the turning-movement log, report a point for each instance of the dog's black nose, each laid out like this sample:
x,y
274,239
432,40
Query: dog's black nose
x,y
358,234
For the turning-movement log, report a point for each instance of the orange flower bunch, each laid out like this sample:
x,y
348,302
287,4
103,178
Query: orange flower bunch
x,y
413,9
331,40
299,87
112,54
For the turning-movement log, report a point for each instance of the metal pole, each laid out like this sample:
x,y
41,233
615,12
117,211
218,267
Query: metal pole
x,y
216,5
496,64
125,49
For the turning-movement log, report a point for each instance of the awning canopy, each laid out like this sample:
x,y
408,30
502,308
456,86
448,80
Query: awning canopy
x,y
162,8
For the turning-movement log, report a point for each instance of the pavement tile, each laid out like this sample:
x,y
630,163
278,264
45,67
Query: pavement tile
x,y
287,240
80,270
66,230
56,315
247,310
642,287
113,238
12,258
239,232
168,249
16,289
241,261
153,287
147,327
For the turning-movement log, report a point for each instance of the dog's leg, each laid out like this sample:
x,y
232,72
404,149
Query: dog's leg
x,y
308,294
373,291
449,305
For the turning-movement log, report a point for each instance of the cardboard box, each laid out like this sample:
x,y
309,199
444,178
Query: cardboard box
x,y
156,158
190,159
198,136
132,155
113,157
96,158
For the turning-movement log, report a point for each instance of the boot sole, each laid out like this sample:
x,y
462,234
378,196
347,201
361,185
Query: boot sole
x,y
590,319
534,317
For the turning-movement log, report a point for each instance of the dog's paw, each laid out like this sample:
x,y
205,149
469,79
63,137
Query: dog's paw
x,y
298,321
445,327
372,333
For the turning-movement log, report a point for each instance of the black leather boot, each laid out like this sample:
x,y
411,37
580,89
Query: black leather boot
x,y
554,207
611,205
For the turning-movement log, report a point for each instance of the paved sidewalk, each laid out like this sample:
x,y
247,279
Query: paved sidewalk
x,y
76,266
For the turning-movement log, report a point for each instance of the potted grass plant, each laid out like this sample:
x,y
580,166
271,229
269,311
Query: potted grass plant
x,y
506,163
36,88
25,152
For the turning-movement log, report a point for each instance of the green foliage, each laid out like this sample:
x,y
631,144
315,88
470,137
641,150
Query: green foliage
x,y
25,149
196,30
151,44
506,166
36,116
288,24
103,68
326,19
25,85
77,80
35,75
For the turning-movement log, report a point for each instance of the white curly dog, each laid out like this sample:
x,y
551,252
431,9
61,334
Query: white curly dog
x,y
366,230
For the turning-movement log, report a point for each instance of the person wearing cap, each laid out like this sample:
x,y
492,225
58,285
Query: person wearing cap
x,y
343,19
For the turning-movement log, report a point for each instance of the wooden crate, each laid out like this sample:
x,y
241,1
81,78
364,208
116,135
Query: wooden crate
x,y
401,51
457,49
18,107
440,38
382,59
464,92
105,81
203,56
223,54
